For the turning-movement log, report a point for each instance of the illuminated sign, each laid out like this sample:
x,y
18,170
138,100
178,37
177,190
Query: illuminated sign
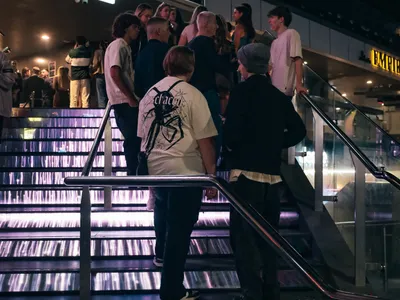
x,y
385,62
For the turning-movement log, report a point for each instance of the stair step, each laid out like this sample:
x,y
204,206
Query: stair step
x,y
58,112
85,122
55,133
114,220
127,246
133,282
56,146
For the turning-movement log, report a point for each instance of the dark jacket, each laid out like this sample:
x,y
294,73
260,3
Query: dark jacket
x,y
149,66
260,122
33,84
138,45
207,63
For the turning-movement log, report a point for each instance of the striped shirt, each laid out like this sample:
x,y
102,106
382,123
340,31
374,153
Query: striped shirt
x,y
79,58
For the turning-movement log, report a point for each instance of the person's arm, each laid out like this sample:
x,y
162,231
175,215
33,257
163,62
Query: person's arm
x,y
7,75
207,151
295,129
235,120
297,56
238,34
183,41
116,75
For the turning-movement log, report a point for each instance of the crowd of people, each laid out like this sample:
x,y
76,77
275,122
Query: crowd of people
x,y
181,107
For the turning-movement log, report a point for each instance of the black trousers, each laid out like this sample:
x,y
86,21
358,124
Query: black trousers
x,y
126,118
175,213
256,261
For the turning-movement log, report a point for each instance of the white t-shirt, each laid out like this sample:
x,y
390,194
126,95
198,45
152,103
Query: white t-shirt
x,y
118,54
184,117
284,50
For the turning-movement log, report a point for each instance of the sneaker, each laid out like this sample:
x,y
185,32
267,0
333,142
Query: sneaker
x,y
191,295
158,262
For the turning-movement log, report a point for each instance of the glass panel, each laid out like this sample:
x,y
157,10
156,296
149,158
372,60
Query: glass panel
x,y
379,147
337,165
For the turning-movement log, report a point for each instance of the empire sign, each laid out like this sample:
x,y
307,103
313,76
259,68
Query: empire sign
x,y
385,62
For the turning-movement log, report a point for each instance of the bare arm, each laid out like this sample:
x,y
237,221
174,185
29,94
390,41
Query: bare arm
x,y
119,82
207,150
183,41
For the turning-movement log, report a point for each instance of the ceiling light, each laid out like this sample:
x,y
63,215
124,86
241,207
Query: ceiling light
x,y
306,63
108,1
40,60
383,104
45,37
337,108
369,82
344,95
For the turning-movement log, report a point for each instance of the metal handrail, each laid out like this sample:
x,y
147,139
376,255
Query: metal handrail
x,y
347,100
267,232
375,171
95,146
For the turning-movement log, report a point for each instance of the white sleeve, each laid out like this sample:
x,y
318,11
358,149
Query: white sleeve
x,y
201,121
115,56
295,45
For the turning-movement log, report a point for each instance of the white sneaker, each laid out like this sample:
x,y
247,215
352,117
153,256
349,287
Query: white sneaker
x,y
158,262
191,295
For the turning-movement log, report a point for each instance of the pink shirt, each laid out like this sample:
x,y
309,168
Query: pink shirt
x,y
283,52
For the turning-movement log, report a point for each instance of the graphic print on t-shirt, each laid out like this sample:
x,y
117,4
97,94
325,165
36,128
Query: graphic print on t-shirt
x,y
165,114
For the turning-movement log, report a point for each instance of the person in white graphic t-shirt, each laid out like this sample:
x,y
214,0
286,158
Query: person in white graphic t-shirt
x,y
286,63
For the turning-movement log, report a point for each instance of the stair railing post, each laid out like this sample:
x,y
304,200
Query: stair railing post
x,y
360,227
108,163
85,246
318,162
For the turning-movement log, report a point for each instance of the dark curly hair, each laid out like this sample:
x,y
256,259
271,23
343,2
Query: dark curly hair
x,y
123,22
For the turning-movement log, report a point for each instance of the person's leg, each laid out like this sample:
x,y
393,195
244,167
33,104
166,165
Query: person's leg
x,y
183,210
244,240
271,213
101,91
85,92
160,219
74,93
126,118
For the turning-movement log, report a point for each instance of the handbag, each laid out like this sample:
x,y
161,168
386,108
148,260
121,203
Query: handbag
x,y
142,168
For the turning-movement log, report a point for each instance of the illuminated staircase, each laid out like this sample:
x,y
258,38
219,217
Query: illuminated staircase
x,y
39,220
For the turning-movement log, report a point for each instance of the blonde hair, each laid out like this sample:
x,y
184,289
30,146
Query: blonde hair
x,y
63,78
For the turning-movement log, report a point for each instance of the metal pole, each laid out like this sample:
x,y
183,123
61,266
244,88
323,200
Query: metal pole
x,y
385,278
359,230
108,163
318,163
85,245
292,155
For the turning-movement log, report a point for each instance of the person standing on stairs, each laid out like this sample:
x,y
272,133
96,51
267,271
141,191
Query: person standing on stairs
x,y
286,64
177,132
119,77
257,109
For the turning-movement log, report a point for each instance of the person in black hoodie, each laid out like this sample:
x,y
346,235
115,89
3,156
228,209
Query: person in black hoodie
x,y
260,122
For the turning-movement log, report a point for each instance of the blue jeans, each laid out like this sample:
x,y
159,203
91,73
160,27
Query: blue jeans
x,y
215,110
126,118
102,98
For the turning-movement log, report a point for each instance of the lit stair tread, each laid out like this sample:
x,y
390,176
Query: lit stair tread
x,y
126,234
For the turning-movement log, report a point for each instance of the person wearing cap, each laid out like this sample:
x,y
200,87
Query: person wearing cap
x,y
260,122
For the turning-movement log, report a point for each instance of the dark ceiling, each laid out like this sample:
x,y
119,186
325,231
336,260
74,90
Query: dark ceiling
x,y
24,21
